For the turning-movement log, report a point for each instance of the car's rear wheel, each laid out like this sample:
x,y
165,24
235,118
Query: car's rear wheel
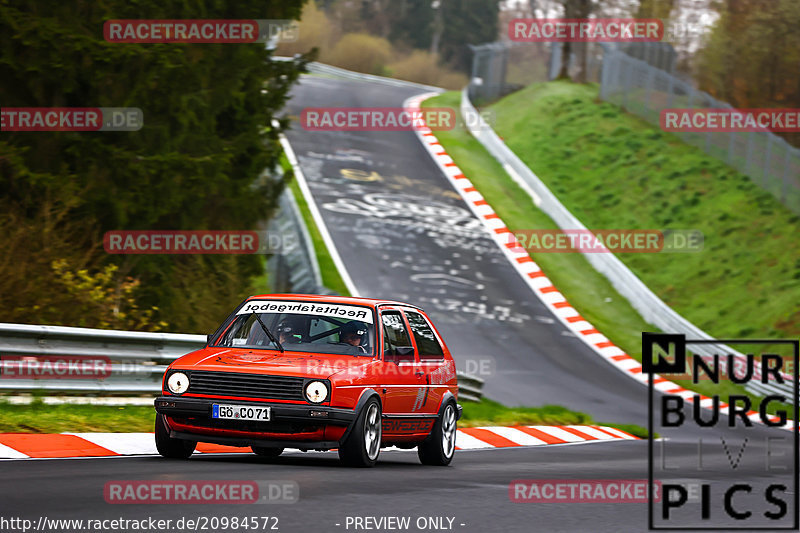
x,y
439,447
266,452
363,445
169,447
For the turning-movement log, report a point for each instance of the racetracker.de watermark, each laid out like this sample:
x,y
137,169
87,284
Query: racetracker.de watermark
x,y
201,492
730,120
600,30
606,240
439,372
580,490
200,31
71,119
196,242
54,367
390,119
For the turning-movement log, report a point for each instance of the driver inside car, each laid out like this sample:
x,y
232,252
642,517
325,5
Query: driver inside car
x,y
352,333
289,331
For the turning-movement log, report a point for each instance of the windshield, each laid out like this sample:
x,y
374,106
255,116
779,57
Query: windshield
x,y
303,327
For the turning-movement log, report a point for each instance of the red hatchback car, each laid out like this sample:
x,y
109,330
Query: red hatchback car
x,y
315,373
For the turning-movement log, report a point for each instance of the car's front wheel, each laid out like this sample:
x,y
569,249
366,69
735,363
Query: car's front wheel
x,y
439,447
169,447
363,444
266,452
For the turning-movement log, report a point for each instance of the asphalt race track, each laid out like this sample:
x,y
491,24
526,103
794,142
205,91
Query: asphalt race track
x,y
404,233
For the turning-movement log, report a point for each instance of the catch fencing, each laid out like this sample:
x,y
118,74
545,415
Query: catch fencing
x,y
640,77
640,88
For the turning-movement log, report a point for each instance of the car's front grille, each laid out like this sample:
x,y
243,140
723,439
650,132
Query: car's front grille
x,y
246,385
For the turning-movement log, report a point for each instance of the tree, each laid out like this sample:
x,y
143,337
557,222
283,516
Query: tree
x,y
466,22
752,55
575,9
208,134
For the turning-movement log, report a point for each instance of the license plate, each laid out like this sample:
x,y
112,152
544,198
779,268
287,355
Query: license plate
x,y
240,412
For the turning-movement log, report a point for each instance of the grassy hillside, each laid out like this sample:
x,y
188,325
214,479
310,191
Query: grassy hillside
x,y
613,170
585,288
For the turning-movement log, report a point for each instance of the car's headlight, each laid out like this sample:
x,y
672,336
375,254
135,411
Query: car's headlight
x,y
316,392
178,383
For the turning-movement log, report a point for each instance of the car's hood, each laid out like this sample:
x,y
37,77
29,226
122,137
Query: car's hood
x,y
269,362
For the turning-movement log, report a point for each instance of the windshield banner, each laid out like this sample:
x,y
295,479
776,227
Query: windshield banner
x,y
348,312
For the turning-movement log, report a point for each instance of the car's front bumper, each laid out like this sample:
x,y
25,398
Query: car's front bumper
x,y
296,425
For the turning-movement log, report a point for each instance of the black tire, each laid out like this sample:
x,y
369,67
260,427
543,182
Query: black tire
x,y
266,452
363,445
169,447
438,449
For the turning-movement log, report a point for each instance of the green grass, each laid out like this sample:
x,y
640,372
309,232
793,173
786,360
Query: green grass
x,y
585,288
614,170
583,173
38,417
330,274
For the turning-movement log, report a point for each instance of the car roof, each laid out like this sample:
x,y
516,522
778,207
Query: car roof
x,y
372,302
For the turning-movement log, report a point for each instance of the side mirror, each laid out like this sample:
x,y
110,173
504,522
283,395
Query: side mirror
x,y
208,339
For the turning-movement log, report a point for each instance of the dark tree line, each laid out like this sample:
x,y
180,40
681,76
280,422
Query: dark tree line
x,y
194,165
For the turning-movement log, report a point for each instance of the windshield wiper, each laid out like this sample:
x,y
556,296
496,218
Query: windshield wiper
x,y
270,335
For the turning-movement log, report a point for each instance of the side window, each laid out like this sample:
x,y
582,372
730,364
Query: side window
x,y
428,346
396,342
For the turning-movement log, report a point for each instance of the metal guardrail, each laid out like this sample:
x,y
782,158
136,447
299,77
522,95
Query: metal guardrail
x,y
138,360
295,269
650,306
470,388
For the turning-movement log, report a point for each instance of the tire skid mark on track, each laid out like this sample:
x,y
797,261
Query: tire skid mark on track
x,y
537,280
73,445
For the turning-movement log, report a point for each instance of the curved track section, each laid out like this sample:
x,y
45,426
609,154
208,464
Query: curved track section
x,y
403,232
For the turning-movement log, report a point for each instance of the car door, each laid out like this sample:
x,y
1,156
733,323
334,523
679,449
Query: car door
x,y
433,366
402,375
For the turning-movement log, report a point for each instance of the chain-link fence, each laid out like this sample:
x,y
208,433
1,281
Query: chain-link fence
x,y
502,67
638,77
642,89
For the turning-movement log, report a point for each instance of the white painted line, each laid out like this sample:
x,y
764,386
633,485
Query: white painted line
x,y
468,442
11,453
559,433
596,433
122,443
627,364
515,435
620,434
315,213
